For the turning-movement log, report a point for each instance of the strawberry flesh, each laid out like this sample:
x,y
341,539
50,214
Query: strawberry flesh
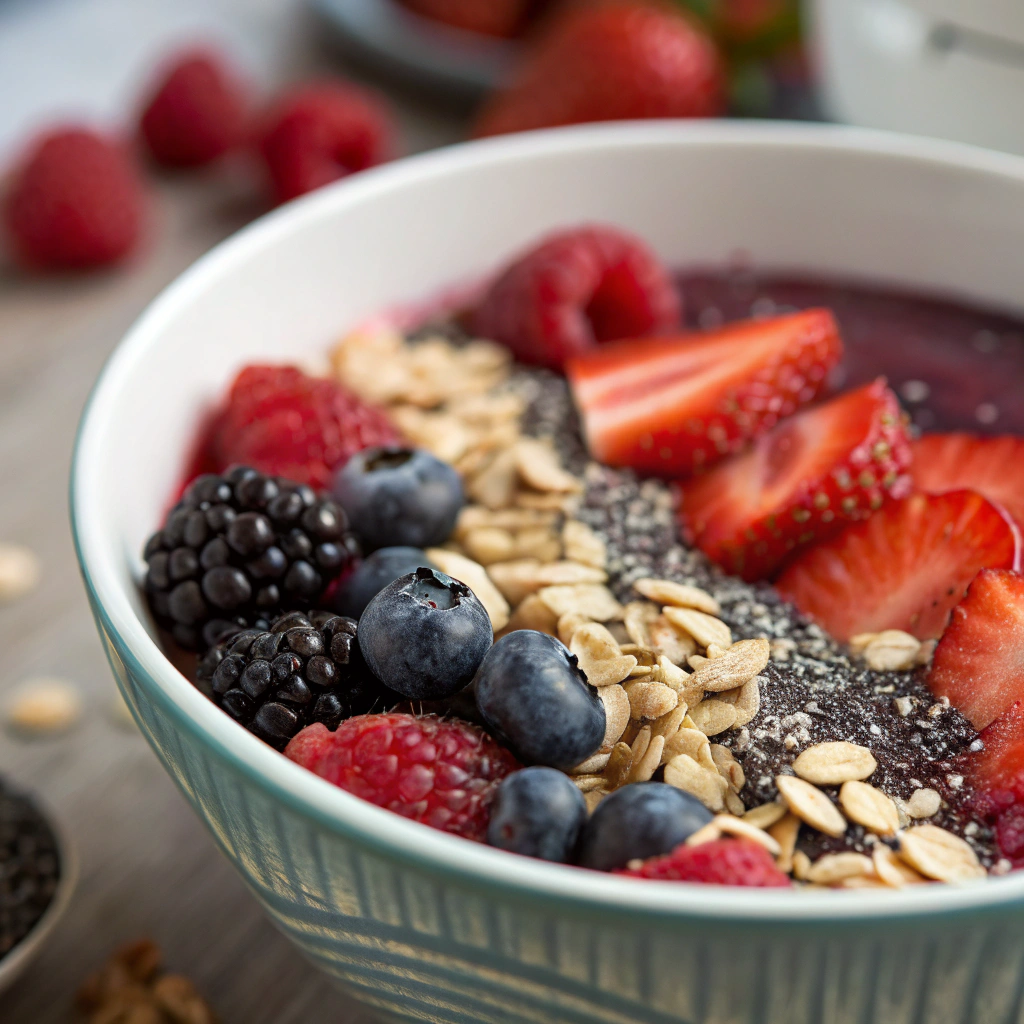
x,y
673,406
826,466
993,466
905,567
979,662
996,776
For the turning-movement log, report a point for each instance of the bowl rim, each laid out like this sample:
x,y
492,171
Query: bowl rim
x,y
338,812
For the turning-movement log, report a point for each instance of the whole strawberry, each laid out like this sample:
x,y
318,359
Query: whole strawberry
x,y
195,113
488,17
440,772
613,62
320,132
75,201
720,862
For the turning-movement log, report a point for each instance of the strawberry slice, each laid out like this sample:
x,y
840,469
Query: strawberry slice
x,y
672,406
905,567
996,775
993,466
801,481
979,662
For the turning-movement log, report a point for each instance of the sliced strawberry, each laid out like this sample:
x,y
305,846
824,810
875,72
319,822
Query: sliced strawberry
x,y
998,768
675,405
979,662
801,481
993,466
905,567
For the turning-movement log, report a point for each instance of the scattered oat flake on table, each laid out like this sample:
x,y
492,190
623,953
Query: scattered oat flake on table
x,y
41,707
19,571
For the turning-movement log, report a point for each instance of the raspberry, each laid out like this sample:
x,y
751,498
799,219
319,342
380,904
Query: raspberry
x,y
441,772
575,289
720,862
321,132
285,423
195,113
76,201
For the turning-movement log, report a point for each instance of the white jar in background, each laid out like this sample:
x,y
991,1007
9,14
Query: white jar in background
x,y
948,68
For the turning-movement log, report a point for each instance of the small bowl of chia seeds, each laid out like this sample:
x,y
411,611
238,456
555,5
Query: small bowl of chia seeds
x,y
37,876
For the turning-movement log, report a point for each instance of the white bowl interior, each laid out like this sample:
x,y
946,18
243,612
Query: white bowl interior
x,y
829,200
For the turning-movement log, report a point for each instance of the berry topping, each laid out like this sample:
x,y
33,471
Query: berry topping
x,y
75,201
979,662
490,17
372,575
574,290
425,635
993,466
321,132
719,862
611,62
195,113
536,699
996,775
239,548
903,568
673,406
303,669
442,773
811,474
638,821
538,812
286,423
399,496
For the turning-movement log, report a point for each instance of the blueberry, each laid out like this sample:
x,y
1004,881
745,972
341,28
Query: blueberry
x,y
373,574
424,635
532,694
537,812
399,496
639,821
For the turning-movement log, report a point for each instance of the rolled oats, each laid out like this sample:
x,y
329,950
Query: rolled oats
x,y
892,650
567,626
829,764
669,724
19,571
489,544
678,594
594,600
939,854
649,700
924,803
587,783
474,575
599,655
869,807
713,716
619,763
746,700
494,485
533,613
734,667
733,804
785,832
516,579
645,766
566,504
811,805
583,545
833,868
891,870
705,834
637,617
593,798
801,865
766,815
538,542
616,714
730,825
540,468
565,572
667,639
594,765
707,786
728,767
693,743
704,628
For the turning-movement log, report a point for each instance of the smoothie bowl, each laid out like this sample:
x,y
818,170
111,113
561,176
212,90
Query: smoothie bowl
x,y
605,542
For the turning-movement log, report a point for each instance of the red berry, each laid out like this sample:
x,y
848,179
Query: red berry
x,y
993,466
75,201
719,862
575,289
808,476
195,113
489,17
321,132
905,567
612,62
979,662
441,772
281,421
672,406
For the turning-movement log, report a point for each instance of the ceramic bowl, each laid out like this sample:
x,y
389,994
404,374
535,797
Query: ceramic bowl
x,y
427,926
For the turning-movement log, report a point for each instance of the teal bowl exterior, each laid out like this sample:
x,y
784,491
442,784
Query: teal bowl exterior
x,y
427,927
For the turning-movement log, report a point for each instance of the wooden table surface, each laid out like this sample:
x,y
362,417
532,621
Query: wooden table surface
x,y
148,868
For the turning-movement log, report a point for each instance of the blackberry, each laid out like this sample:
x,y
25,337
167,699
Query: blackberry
x,y
303,669
239,549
